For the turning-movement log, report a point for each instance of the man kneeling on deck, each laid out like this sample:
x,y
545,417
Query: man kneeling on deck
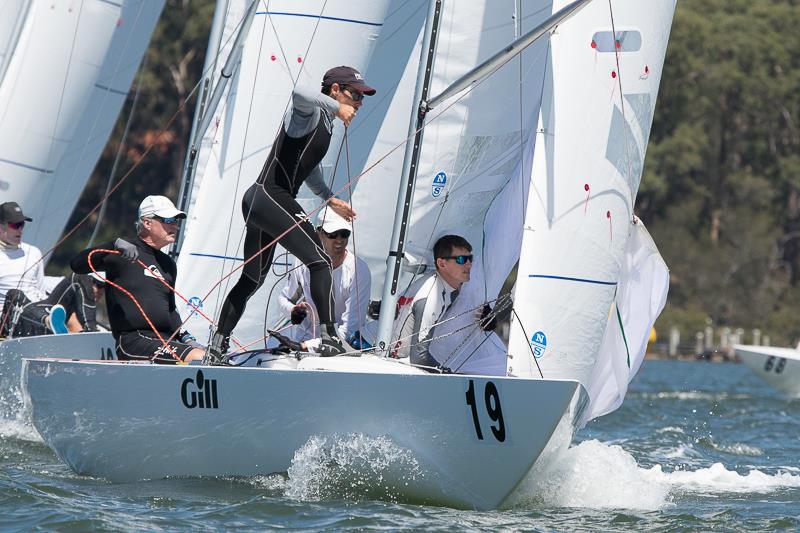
x,y
26,307
427,300
351,290
156,227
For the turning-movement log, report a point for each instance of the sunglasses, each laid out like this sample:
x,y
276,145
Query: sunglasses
x,y
16,225
354,95
339,234
460,259
167,220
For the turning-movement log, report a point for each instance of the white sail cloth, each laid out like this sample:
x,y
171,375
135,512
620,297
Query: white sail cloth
x,y
594,127
67,77
290,43
641,295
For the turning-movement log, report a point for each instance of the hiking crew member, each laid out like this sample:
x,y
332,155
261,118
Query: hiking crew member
x,y
270,209
156,227
426,302
351,288
76,295
21,265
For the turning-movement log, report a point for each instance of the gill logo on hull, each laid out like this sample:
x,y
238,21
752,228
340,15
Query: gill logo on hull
x,y
538,344
199,392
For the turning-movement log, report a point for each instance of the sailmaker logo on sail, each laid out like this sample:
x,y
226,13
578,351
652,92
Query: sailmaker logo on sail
x,y
199,392
538,344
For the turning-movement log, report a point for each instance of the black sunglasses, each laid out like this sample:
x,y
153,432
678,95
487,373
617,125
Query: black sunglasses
x,y
354,95
460,259
338,234
16,225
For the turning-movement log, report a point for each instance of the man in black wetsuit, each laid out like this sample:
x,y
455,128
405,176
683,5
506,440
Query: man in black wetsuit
x,y
270,209
77,294
156,227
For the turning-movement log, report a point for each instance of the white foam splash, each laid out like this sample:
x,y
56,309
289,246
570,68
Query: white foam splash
x,y
593,475
716,479
352,467
18,428
601,476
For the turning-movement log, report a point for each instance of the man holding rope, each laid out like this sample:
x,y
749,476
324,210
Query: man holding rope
x,y
271,211
351,290
140,300
427,300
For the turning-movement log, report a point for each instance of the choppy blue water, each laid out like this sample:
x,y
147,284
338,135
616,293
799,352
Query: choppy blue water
x,y
696,446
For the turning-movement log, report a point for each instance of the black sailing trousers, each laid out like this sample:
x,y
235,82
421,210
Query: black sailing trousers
x,y
268,213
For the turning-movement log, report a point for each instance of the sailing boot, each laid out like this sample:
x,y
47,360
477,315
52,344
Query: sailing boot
x,y
331,344
217,351
57,320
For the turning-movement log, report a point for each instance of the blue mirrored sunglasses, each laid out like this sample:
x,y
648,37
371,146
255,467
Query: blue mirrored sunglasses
x,y
460,259
167,220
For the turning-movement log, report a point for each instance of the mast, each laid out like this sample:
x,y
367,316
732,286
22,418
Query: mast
x,y
411,159
205,105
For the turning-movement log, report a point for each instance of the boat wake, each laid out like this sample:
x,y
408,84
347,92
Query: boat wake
x,y
602,476
350,467
18,428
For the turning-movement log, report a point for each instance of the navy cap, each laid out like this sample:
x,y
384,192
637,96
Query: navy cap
x,y
12,212
347,76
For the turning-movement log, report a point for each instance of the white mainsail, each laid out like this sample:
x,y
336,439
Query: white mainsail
x,y
595,120
289,43
12,18
67,77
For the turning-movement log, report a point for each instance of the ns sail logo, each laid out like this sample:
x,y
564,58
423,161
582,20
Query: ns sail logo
x,y
538,344
199,392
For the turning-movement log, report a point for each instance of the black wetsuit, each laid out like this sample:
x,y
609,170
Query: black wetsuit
x,y
270,210
135,338
74,292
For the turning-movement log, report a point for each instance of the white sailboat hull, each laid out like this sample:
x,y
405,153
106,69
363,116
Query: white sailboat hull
x,y
780,367
95,345
139,421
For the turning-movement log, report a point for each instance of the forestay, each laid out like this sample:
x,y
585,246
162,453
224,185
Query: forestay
x,y
66,78
290,43
600,94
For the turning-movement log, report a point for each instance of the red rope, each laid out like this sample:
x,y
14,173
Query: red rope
x,y
125,291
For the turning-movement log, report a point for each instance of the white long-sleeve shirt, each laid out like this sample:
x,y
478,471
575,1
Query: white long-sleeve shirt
x,y
351,290
16,272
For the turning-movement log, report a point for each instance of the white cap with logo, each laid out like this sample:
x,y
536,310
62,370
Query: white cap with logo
x,y
330,222
159,206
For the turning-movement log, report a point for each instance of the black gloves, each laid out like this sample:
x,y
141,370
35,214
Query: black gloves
x,y
299,313
128,251
487,319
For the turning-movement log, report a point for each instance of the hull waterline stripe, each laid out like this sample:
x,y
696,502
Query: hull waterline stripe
x,y
580,280
23,165
308,15
212,256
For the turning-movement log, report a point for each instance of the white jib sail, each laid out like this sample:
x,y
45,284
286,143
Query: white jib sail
x,y
289,43
641,295
472,171
595,121
66,81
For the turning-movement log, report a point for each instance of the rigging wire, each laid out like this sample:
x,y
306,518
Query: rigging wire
x,y
118,156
